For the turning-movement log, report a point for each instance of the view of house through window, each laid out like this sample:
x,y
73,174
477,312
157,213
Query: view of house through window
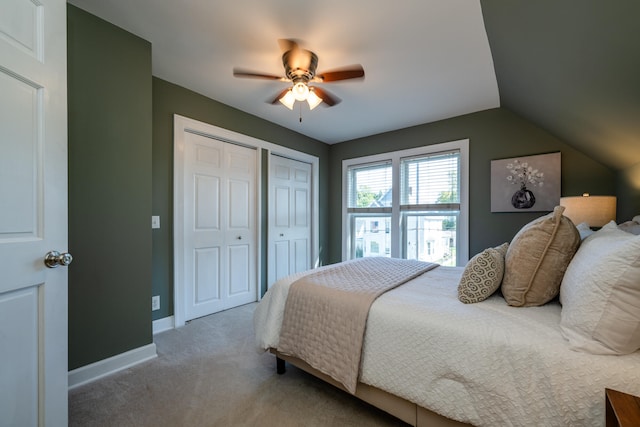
x,y
426,209
372,236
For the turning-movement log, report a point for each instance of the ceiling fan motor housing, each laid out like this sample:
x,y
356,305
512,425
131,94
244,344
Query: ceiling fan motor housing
x,y
300,65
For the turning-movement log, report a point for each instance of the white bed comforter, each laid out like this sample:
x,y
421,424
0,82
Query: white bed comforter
x,y
487,364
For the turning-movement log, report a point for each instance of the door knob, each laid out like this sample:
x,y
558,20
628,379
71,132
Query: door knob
x,y
54,258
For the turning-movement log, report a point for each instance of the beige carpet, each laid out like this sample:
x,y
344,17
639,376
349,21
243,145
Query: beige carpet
x,y
209,374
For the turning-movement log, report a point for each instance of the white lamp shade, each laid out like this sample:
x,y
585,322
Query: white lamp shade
x,y
300,91
288,100
594,210
313,100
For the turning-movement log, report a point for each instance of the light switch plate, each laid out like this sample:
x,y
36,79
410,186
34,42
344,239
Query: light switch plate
x,y
155,222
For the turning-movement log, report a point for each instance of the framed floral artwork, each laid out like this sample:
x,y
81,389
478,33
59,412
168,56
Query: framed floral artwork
x,y
525,184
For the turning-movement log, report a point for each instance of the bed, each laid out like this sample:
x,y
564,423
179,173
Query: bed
x,y
430,359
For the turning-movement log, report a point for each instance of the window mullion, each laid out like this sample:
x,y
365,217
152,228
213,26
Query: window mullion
x,y
386,210
435,207
396,226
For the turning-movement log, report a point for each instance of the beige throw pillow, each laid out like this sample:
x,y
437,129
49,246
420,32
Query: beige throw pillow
x,y
482,275
537,258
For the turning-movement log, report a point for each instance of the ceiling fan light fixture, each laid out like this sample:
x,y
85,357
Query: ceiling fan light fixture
x,y
313,99
288,99
300,69
300,91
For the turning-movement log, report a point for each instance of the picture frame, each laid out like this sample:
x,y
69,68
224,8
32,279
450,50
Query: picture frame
x,y
526,183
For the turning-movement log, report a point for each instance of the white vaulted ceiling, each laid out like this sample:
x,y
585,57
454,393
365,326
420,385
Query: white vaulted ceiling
x,y
570,67
423,60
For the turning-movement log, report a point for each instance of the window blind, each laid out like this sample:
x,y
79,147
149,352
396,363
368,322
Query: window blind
x,y
430,182
370,187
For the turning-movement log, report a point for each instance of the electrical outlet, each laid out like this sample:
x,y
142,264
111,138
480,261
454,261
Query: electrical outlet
x,y
155,303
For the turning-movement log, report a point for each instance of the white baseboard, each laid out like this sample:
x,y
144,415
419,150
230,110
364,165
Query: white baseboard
x,y
94,371
163,324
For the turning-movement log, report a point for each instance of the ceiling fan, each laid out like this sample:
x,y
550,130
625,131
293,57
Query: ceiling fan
x,y
300,70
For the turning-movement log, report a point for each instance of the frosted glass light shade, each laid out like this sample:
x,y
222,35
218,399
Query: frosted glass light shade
x,y
594,210
313,100
288,100
300,91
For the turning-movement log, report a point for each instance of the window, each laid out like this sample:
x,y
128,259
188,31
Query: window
x,y
369,206
430,206
418,197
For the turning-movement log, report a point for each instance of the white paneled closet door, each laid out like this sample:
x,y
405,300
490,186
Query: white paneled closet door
x,y
220,232
290,225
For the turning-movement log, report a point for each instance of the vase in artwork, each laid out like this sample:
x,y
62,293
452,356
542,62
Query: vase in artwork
x,y
523,198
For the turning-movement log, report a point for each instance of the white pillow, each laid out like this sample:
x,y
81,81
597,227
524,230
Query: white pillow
x,y
632,226
600,294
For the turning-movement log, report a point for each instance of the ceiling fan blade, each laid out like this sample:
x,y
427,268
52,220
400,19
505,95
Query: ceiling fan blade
x,y
353,72
238,72
280,95
326,97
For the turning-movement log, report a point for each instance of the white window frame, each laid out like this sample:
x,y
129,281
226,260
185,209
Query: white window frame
x,y
462,244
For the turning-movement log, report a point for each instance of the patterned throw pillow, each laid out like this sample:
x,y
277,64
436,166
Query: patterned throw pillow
x,y
482,275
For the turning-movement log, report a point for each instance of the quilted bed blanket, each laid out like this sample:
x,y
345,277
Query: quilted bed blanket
x,y
486,364
326,312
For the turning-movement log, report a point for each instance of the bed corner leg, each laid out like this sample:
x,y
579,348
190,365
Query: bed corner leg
x,y
280,366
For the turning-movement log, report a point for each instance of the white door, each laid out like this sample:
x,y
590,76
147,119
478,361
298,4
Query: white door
x,y
289,217
33,212
219,225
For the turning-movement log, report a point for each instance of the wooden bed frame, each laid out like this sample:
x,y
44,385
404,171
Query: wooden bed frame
x,y
400,408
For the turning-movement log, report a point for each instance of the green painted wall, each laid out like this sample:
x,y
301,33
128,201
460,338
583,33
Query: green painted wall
x,y
571,67
110,111
493,134
170,99
628,191
121,173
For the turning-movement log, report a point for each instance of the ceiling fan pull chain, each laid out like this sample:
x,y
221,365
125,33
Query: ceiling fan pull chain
x,y
300,107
